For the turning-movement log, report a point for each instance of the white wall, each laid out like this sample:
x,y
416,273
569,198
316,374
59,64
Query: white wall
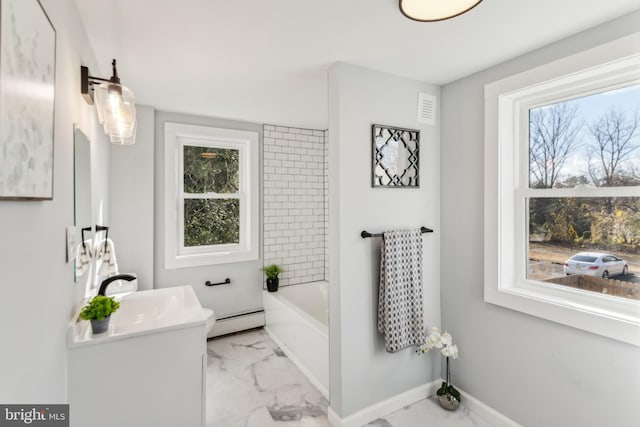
x,y
534,371
362,373
244,294
36,285
131,195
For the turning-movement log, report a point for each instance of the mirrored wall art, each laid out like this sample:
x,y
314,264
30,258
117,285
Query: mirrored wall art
x,y
396,160
27,86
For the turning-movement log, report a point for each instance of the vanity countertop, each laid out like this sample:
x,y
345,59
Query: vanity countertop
x,y
142,313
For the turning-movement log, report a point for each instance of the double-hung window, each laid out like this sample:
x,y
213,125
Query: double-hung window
x,y
211,195
562,191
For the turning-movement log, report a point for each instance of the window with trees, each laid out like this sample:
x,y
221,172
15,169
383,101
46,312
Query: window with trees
x,y
583,153
562,162
211,195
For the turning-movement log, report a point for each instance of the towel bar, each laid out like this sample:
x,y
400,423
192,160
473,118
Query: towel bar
x,y
226,282
365,234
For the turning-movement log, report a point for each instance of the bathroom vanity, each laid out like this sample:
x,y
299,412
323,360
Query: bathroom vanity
x,y
148,369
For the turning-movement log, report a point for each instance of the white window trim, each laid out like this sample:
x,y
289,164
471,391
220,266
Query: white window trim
x,y
507,103
177,135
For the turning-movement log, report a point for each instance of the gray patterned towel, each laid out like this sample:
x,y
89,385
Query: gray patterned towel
x,y
400,308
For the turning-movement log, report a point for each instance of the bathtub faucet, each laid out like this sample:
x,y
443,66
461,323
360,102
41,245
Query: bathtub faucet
x,y
106,282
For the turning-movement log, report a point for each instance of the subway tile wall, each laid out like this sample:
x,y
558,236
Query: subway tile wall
x,y
295,203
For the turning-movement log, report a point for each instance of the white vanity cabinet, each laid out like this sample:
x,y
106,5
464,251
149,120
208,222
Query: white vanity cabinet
x,y
141,375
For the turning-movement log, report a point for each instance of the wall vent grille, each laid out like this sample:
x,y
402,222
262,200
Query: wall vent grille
x,y
426,109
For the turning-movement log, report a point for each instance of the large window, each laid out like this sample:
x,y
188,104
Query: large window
x,y
211,195
562,213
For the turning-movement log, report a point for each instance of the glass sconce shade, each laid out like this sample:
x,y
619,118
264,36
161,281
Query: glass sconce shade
x,y
435,10
116,112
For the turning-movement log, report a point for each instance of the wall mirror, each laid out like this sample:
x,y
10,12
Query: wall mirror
x,y
82,216
81,179
396,160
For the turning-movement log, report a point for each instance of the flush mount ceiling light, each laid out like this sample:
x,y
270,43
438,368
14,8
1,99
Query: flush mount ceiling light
x,y
435,10
114,102
209,155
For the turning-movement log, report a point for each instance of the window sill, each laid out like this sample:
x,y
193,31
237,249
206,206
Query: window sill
x,y
609,316
200,260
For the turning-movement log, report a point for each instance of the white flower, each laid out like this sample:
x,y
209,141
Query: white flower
x,y
438,339
435,338
446,338
450,351
434,341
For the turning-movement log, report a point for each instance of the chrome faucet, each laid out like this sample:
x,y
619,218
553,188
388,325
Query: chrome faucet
x,y
106,282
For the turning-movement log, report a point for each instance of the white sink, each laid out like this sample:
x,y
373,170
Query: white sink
x,y
144,312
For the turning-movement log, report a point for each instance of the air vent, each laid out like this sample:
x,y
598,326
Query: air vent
x,y
426,109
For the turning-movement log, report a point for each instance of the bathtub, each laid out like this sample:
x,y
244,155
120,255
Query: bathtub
x,y
297,319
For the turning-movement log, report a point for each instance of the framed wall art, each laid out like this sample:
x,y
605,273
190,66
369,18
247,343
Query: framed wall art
x,y
396,160
27,92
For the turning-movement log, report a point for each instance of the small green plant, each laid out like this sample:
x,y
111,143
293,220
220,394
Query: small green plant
x,y
272,271
99,308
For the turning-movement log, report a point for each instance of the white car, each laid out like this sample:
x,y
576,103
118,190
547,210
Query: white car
x,y
595,264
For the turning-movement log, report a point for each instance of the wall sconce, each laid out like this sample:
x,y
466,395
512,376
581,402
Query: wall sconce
x,y
114,102
435,10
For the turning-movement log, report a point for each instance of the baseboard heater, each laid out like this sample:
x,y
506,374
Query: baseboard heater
x,y
237,322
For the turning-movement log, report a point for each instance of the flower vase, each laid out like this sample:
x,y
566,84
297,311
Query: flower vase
x,y
448,396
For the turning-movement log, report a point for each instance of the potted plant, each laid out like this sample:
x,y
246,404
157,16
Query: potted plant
x,y
272,271
448,397
99,311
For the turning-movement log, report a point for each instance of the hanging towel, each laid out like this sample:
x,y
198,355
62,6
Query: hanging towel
x,y
84,256
107,254
400,307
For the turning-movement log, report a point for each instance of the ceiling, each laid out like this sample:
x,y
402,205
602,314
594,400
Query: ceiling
x,y
266,61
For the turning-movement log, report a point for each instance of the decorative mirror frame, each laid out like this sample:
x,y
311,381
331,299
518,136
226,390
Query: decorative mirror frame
x,y
408,143
28,54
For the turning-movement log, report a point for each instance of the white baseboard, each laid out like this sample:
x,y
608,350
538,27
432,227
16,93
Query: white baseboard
x,y
394,403
312,379
486,412
237,323
373,412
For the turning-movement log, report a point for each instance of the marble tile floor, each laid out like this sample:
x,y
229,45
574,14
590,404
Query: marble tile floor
x,y
428,413
251,383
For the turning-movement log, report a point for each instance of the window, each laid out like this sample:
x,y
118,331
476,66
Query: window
x,y
562,185
211,195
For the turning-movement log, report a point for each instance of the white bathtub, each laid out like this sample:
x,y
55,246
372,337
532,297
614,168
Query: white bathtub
x,y
297,318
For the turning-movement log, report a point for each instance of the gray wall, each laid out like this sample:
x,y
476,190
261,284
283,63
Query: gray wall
x,y
131,198
37,290
534,371
244,294
361,372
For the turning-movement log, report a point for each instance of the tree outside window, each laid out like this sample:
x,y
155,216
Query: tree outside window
x,y
591,145
211,196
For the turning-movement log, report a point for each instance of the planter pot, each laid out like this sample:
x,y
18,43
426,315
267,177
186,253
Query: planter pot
x,y
100,326
272,284
448,402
